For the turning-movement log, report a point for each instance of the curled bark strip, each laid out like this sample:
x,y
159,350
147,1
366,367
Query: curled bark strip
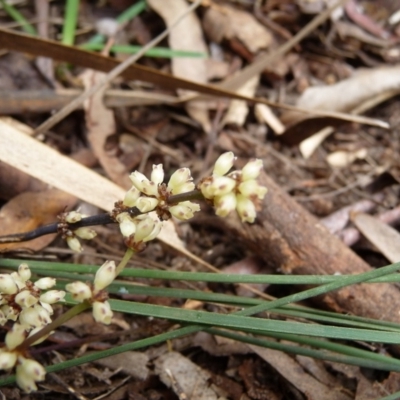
x,y
291,240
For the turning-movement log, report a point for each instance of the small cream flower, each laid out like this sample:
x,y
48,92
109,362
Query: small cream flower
x,y
147,229
238,190
28,303
102,312
180,182
71,235
74,244
94,293
28,372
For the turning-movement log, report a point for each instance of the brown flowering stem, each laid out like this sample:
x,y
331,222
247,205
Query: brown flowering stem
x,y
192,195
100,219
62,319
127,256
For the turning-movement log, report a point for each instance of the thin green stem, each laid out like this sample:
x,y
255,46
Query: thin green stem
x,y
70,20
18,17
125,259
62,319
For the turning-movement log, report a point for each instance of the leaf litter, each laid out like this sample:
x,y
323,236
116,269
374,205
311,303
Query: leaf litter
x,y
333,175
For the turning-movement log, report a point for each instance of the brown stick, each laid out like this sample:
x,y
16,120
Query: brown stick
x,y
291,240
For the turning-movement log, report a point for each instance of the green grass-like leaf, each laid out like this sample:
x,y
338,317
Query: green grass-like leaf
x,y
124,17
242,325
18,17
70,21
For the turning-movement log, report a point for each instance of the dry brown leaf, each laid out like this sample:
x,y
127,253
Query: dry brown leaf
x,y
184,377
42,162
224,22
385,238
187,35
101,125
29,211
363,85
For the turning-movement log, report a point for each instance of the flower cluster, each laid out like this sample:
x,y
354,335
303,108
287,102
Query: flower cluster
x,y
28,371
95,293
154,193
30,306
72,236
25,301
238,190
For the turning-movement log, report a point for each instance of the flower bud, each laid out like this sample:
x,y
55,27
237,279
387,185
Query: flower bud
x,y
25,299
74,244
206,189
7,284
131,196
73,216
104,275
146,204
126,225
28,372
52,296
137,179
102,312
223,164
144,228
245,208
24,381
79,290
18,280
222,185
85,233
184,188
45,283
251,188
225,204
154,233
127,228
149,188
7,359
178,178
184,210
15,336
34,317
10,312
252,169
157,175
24,272
47,307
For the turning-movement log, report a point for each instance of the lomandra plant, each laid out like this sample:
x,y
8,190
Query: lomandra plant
x,y
140,215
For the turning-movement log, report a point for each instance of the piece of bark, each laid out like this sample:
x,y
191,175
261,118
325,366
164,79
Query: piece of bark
x,y
290,239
